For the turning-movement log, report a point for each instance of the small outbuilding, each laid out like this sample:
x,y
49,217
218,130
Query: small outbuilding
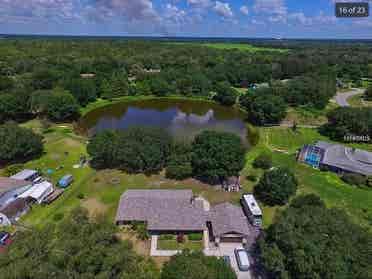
x,y
28,175
231,184
11,213
11,188
39,192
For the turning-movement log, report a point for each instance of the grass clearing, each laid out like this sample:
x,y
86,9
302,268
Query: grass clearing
x,y
243,47
306,116
359,102
233,46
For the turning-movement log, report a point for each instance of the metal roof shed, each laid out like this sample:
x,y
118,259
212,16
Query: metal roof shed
x,y
39,191
25,175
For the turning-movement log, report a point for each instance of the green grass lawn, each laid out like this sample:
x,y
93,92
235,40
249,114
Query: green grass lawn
x,y
357,101
174,245
306,116
62,150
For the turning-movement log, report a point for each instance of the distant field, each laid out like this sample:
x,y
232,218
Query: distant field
x,y
245,47
237,46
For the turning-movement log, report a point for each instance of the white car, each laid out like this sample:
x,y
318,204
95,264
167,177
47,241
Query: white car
x,y
242,259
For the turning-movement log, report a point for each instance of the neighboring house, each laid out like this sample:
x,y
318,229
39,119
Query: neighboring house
x,y
227,223
337,158
231,184
11,213
11,188
252,210
28,175
177,211
39,192
162,210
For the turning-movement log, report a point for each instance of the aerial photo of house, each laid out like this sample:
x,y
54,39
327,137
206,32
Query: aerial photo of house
x,y
224,227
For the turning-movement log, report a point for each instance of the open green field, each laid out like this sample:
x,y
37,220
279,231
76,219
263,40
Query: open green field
x,y
235,46
358,101
306,116
99,191
244,47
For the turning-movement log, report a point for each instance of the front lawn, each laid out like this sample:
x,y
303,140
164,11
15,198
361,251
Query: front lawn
x,y
174,245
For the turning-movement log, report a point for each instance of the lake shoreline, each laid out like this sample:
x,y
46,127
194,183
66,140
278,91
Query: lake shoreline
x,y
178,114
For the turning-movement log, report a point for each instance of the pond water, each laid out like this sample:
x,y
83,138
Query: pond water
x,y
183,119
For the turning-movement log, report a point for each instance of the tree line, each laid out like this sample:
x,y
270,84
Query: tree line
x,y
346,122
122,68
212,156
309,240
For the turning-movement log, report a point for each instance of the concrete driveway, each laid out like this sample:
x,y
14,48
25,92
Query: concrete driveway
x,y
227,249
341,98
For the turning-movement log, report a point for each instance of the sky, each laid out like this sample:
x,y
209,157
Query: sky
x,y
186,18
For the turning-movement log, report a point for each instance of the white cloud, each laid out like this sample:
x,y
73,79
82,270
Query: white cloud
x,y
276,7
40,9
300,18
223,9
174,14
244,10
199,3
276,10
131,10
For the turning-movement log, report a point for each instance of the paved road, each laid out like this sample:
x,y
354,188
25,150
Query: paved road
x,y
341,98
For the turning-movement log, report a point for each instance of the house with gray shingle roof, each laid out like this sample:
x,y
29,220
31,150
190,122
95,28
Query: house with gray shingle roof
x,y
178,211
228,223
337,158
162,210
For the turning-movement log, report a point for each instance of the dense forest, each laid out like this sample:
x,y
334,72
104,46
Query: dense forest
x,y
53,78
309,240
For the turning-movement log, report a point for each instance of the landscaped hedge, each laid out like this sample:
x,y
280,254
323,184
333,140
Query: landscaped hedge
x,y
166,237
195,236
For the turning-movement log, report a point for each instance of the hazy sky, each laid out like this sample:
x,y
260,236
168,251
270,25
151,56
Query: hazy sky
x,y
224,18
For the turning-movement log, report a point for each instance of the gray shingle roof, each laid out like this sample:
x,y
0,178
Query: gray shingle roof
x,y
12,209
347,158
162,209
7,184
227,218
